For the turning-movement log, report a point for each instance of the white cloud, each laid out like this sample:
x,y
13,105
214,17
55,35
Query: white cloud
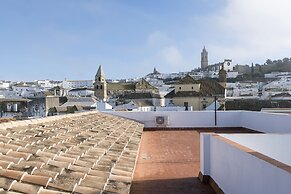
x,y
163,53
171,56
253,30
158,38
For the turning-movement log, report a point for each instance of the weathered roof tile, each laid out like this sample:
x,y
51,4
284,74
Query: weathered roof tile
x,y
24,188
13,174
87,190
36,179
82,153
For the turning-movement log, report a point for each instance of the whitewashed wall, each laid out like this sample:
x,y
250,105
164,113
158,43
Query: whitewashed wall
x,y
260,121
273,145
266,122
237,172
181,119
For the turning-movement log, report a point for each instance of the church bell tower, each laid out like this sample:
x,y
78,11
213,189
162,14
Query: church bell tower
x,y
204,58
100,85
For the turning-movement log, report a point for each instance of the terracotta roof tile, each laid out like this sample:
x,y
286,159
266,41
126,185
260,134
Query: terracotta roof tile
x,y
93,184
63,185
117,187
79,168
47,191
21,167
7,192
13,174
19,154
6,183
47,173
86,190
81,153
83,163
10,159
9,146
5,164
4,139
24,188
36,179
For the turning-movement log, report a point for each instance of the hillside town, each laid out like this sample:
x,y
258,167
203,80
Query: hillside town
x,y
145,97
212,86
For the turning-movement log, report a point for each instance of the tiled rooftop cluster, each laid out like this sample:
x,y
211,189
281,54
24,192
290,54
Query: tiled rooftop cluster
x,y
87,153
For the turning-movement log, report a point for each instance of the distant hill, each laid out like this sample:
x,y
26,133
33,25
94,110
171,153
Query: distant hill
x,y
280,65
256,71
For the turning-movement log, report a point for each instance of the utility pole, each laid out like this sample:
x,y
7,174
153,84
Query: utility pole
x,y
215,112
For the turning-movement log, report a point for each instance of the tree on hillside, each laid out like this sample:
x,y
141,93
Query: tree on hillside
x,y
286,60
269,62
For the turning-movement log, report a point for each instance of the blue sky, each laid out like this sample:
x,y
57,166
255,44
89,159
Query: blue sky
x,y
57,39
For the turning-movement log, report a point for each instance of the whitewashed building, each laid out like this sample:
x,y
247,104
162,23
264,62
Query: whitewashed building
x,y
69,84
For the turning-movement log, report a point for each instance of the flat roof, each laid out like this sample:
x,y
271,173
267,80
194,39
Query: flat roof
x,y
169,161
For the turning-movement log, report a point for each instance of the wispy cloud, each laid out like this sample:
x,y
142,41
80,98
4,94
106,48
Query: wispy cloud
x,y
158,38
164,52
252,30
171,56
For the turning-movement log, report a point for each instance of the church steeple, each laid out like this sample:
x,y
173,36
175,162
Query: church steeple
x,y
204,58
100,85
100,72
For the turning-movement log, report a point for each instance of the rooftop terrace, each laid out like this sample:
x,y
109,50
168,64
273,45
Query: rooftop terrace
x,y
169,161
101,153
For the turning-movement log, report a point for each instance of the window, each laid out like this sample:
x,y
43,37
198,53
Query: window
x,y
101,87
192,87
99,78
186,105
97,87
180,88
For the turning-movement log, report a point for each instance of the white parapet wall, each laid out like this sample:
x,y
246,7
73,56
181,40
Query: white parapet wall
x,y
272,145
185,119
266,122
259,121
239,170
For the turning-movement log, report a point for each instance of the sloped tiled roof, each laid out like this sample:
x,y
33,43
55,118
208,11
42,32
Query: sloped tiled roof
x,y
79,101
183,94
139,95
143,84
83,153
187,80
208,87
120,86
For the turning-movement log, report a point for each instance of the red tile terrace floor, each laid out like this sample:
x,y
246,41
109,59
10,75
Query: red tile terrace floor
x,y
168,162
